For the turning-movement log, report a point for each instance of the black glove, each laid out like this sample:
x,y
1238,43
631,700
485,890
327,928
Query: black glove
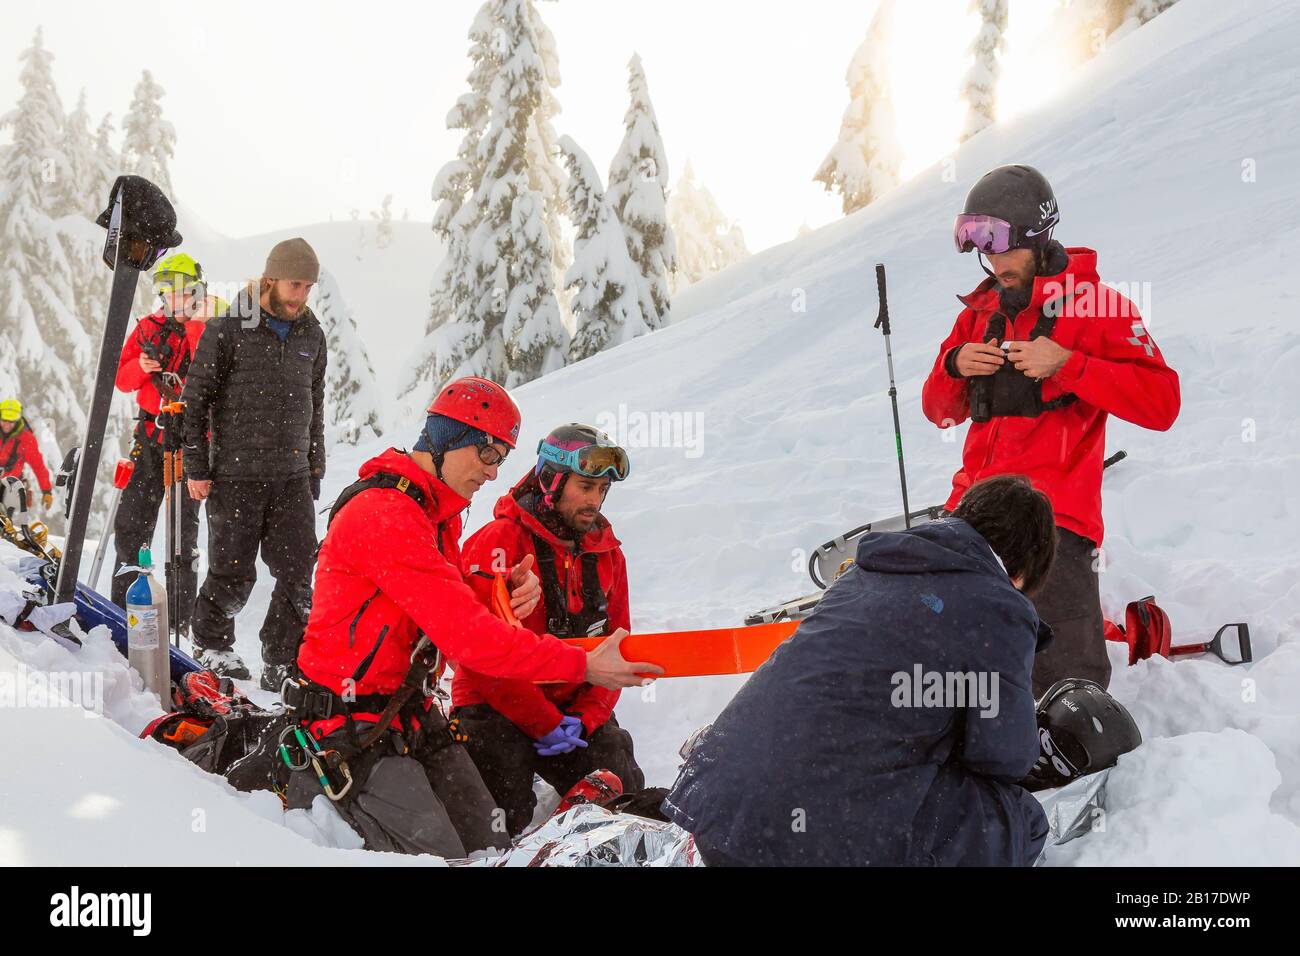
x,y
315,488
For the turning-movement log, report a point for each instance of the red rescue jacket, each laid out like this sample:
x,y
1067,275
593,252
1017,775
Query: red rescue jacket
x,y
130,377
388,563
1116,369
499,545
19,448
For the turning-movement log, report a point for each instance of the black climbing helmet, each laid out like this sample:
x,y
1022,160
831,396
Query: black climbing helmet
x,y
1011,207
1081,730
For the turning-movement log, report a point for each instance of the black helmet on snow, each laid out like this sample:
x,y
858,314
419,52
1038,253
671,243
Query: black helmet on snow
x,y
1081,730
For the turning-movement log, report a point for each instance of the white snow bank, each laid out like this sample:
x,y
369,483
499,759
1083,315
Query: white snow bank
x,y
1198,799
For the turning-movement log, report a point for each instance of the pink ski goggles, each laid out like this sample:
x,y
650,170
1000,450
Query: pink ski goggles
x,y
983,233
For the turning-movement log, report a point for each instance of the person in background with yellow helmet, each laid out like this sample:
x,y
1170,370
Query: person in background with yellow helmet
x,y
18,449
154,363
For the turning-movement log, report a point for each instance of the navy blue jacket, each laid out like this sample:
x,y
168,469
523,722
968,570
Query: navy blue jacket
x,y
823,758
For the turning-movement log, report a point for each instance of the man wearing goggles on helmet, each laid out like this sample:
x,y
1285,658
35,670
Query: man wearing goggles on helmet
x,y
551,520
1038,359
389,595
154,363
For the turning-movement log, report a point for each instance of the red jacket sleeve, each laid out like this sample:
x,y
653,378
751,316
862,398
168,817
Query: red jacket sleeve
x,y
498,546
129,374
943,398
595,704
413,573
1120,370
31,453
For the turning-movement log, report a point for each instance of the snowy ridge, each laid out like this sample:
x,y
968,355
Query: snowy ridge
x,y
773,385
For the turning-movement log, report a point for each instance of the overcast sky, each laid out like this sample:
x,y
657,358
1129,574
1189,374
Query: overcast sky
x,y
291,112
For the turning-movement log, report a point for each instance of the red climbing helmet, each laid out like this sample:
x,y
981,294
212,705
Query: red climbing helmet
x,y
481,404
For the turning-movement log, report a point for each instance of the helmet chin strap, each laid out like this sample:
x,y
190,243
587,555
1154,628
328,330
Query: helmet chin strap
x,y
436,454
557,485
989,272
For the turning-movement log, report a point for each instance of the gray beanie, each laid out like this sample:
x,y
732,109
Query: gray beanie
x,y
292,259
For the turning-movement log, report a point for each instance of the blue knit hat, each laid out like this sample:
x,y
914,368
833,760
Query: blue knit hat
x,y
443,434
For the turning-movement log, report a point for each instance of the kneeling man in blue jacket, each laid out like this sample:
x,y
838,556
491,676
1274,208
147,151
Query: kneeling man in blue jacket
x,y
894,727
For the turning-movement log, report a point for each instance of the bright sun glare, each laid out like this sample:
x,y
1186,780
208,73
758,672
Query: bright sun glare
x,y
930,54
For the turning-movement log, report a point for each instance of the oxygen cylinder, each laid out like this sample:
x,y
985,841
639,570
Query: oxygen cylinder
x,y
147,630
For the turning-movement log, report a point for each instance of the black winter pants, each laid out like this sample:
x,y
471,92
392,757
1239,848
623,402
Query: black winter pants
x,y
137,518
279,517
1070,602
506,760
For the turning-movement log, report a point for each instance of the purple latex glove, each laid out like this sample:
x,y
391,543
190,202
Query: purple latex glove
x,y
565,737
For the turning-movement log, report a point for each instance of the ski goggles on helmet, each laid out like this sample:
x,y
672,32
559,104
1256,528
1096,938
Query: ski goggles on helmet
x,y
590,461
176,282
986,234
1053,766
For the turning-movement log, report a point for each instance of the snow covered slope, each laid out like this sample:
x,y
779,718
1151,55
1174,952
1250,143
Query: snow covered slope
x,y
1147,150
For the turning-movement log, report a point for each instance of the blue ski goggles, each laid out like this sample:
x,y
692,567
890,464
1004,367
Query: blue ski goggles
x,y
590,461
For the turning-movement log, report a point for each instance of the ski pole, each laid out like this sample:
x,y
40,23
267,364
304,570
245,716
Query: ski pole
x,y
882,323
121,475
172,508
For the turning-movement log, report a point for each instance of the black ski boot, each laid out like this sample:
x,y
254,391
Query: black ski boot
x,y
274,676
222,663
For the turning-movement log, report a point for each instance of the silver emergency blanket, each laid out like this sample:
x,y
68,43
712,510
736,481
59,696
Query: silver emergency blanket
x,y
1071,810
588,835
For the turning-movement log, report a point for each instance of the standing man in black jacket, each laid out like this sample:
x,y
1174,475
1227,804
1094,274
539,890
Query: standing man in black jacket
x,y
254,432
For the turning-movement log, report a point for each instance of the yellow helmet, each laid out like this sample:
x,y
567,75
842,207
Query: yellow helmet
x,y
178,273
11,410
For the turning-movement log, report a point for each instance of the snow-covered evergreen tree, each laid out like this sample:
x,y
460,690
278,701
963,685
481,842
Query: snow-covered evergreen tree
x,y
706,241
148,143
1087,25
865,161
72,189
107,165
44,348
493,308
456,335
638,184
384,223
517,255
1146,10
611,298
148,140
79,196
545,175
352,398
981,80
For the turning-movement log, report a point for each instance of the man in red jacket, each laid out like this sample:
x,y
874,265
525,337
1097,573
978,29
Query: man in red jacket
x,y
19,450
1039,357
388,577
153,365
551,520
